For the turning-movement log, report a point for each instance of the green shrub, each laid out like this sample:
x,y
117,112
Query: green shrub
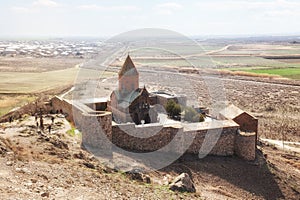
x,y
173,109
191,115
71,132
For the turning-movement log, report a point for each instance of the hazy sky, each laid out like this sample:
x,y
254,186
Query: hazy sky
x,y
107,18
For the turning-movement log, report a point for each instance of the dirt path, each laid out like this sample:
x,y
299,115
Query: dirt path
x,y
218,50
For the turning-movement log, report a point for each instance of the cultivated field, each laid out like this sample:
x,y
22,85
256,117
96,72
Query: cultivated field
x,y
30,82
34,65
34,75
260,58
276,59
22,80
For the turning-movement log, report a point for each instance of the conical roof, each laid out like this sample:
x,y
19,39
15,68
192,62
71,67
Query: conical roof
x,y
128,68
144,91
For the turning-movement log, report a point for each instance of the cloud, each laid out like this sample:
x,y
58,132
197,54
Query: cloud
x,y
108,8
170,5
281,13
45,3
168,8
249,5
20,9
266,9
36,6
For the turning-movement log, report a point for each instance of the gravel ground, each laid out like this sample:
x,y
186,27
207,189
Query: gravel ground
x,y
38,165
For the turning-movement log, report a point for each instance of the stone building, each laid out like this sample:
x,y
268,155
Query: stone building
x,y
247,122
162,97
129,103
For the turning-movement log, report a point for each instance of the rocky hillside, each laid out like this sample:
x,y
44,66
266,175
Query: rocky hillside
x,y
36,164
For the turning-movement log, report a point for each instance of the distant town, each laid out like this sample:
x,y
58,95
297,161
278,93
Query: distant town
x,y
49,48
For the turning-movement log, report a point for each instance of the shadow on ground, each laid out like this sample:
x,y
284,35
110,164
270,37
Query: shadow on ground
x,y
254,177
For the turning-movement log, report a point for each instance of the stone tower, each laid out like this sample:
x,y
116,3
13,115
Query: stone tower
x,y
128,77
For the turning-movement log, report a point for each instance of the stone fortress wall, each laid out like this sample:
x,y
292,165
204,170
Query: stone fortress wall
x,y
91,123
96,124
60,105
32,108
177,135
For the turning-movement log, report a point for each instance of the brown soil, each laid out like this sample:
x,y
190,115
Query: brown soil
x,y
40,165
233,178
36,165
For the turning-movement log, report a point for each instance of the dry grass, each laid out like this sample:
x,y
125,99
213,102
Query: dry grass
x,y
18,82
8,102
282,123
28,64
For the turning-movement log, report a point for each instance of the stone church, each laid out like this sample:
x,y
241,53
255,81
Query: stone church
x,y
130,103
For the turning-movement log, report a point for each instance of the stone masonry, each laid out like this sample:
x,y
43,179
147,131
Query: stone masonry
x,y
98,131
